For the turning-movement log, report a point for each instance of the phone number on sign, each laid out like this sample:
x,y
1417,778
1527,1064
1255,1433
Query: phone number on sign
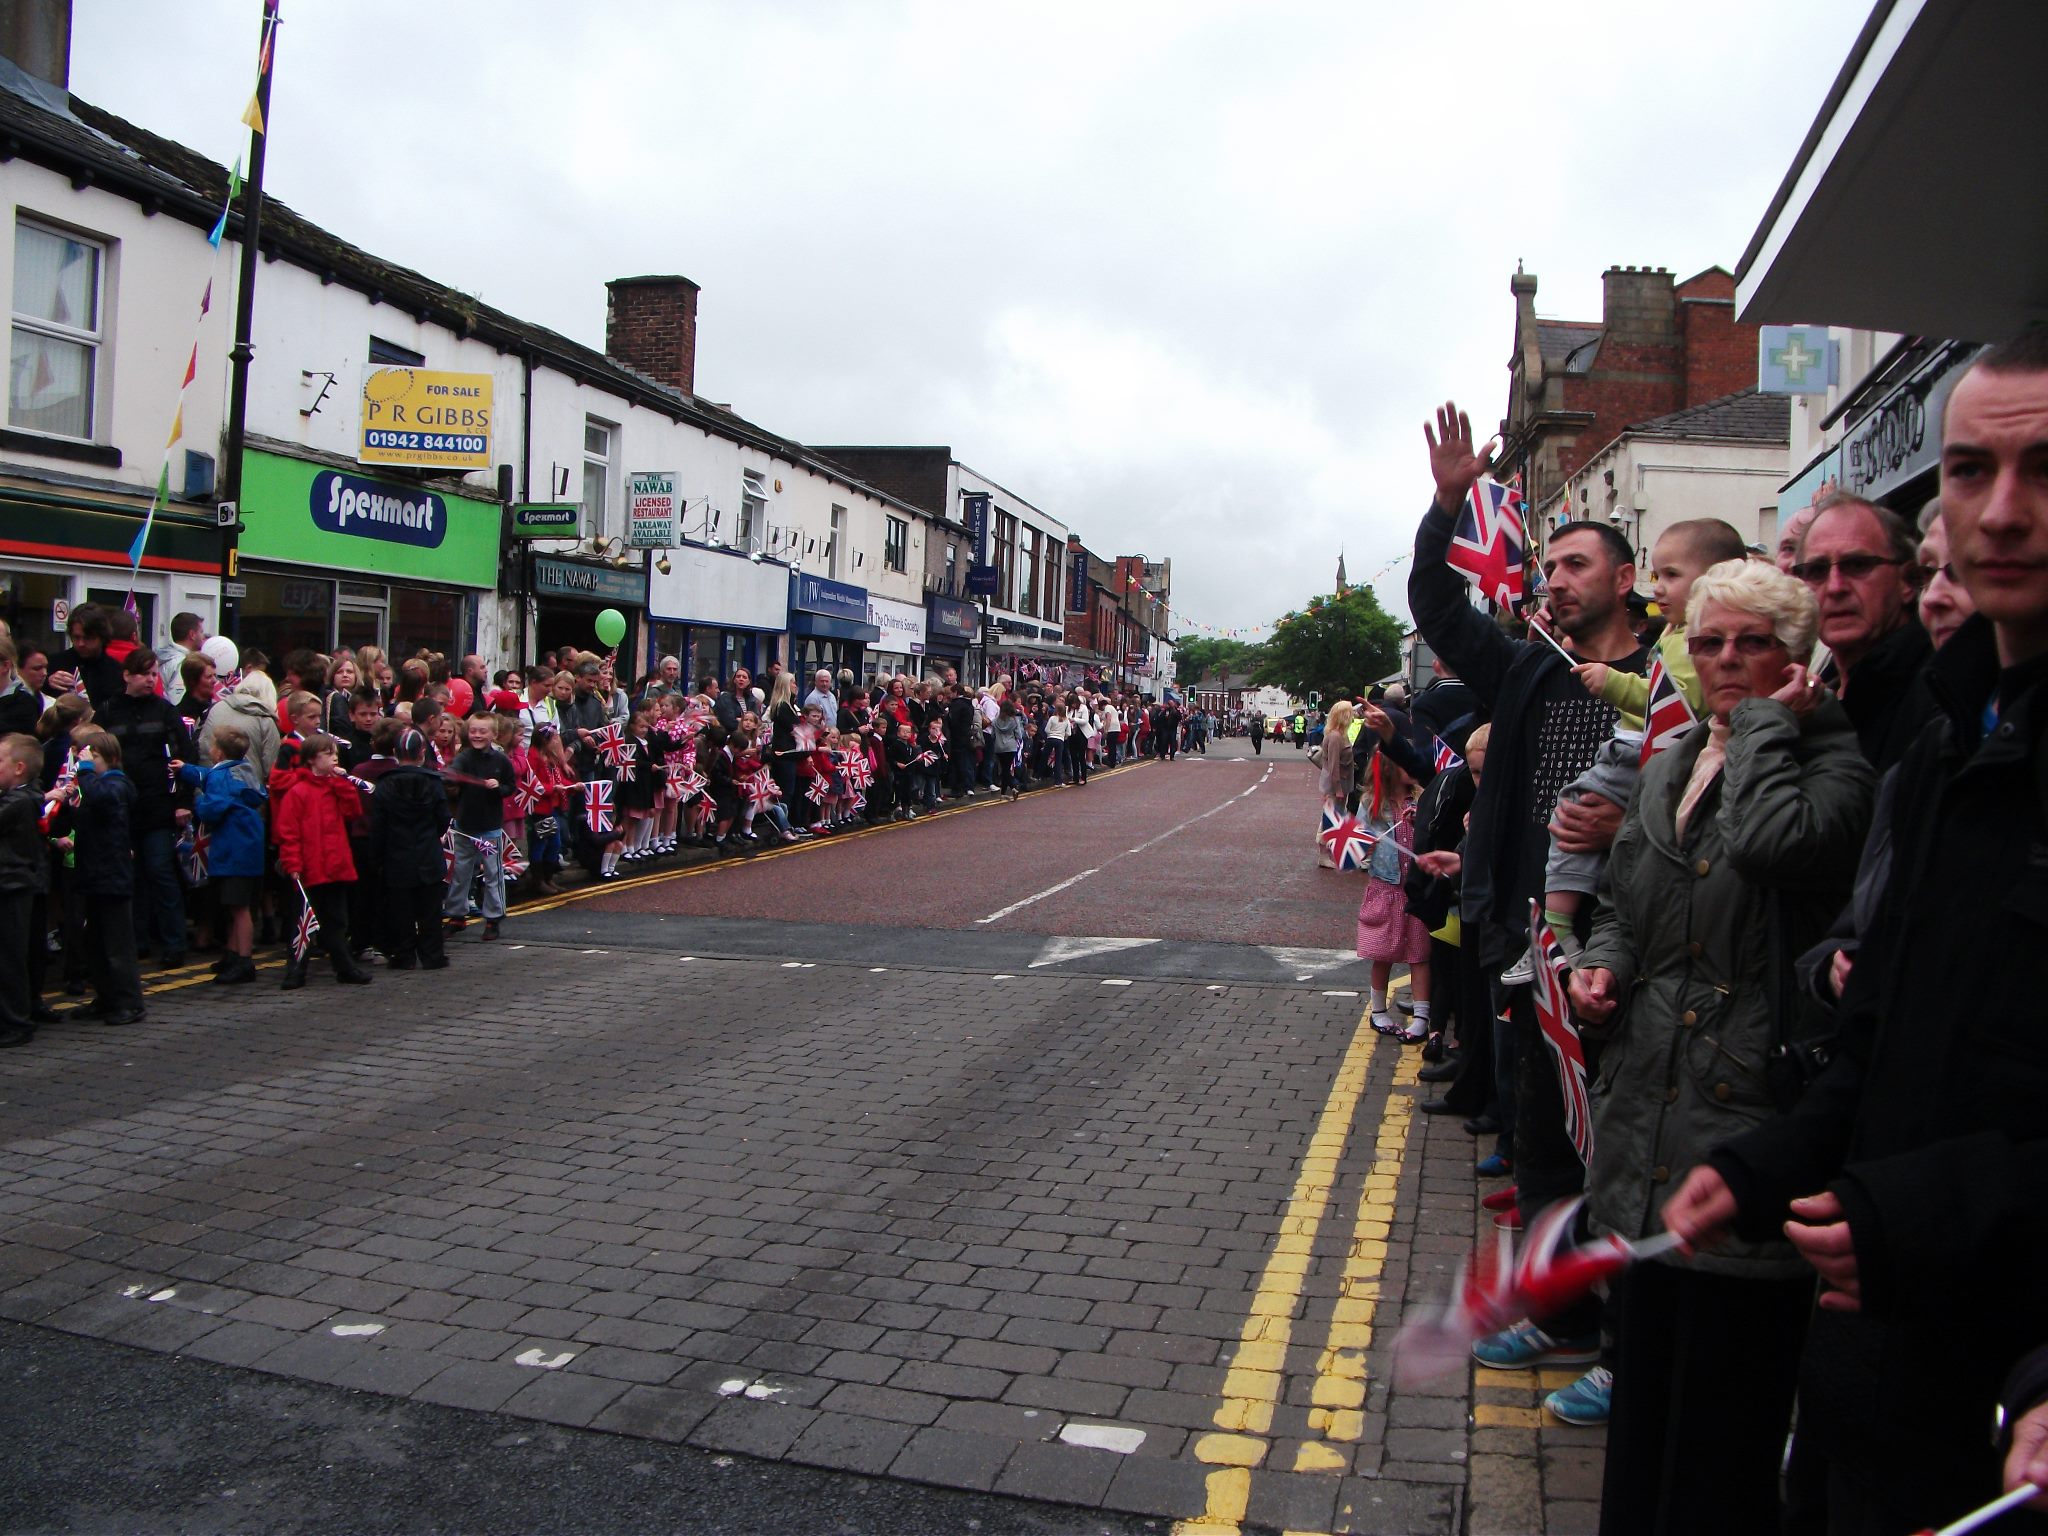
x,y
427,442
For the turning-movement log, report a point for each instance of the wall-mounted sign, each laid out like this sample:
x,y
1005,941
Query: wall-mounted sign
x,y
974,507
425,419
591,583
1077,583
370,509
546,519
902,625
834,599
981,580
654,510
309,514
953,618
1796,360
1900,437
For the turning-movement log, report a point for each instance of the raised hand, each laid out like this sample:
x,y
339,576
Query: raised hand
x,y
1453,463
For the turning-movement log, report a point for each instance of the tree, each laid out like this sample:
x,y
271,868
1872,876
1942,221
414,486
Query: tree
x,y
1336,647
1196,656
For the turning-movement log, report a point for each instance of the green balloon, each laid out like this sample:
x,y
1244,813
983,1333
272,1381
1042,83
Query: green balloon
x,y
611,627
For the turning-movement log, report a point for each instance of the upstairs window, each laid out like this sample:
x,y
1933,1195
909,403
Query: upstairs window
x,y
389,354
54,364
753,524
598,440
896,544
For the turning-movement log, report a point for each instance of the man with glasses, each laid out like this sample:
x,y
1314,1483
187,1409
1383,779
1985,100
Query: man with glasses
x,y
1858,558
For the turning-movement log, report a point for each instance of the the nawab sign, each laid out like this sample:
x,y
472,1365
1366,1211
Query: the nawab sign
x,y
311,514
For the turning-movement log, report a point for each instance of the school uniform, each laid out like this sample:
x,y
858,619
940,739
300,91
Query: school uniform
x,y
409,816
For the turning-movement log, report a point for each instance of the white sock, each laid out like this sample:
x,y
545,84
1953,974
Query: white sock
x,y
1379,999
1422,1013
611,860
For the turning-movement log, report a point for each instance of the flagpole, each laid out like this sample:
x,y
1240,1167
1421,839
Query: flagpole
x,y
245,313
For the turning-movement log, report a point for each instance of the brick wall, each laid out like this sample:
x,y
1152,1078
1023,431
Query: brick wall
x,y
650,324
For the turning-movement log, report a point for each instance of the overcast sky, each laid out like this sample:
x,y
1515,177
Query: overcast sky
x,y
1187,275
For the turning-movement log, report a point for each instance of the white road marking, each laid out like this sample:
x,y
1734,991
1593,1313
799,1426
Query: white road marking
x,y
1104,1437
1310,960
1072,880
356,1330
542,1361
1058,950
1116,981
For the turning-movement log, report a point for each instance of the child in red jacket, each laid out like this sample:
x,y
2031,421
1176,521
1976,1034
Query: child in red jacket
x,y
312,850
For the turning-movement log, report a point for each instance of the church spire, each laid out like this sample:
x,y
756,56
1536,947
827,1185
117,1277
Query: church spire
x,y
1343,585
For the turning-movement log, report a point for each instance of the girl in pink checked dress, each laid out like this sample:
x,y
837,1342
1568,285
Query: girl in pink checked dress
x,y
1388,934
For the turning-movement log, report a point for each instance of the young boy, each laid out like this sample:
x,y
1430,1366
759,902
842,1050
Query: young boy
x,y
1680,557
105,875
903,772
229,805
24,875
408,818
313,850
481,779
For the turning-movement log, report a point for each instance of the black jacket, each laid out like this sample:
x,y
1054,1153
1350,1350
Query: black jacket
x,y
102,674
408,815
1931,1123
24,856
961,732
477,808
104,865
152,733
583,712
20,709
1546,728
1446,709
1887,696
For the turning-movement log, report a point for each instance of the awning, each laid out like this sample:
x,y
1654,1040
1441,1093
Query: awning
x,y
1908,208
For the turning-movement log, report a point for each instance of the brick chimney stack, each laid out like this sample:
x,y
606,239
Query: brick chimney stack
x,y
650,324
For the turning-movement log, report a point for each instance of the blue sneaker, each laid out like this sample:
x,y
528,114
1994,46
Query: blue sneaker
x,y
1586,1401
1524,1346
1494,1166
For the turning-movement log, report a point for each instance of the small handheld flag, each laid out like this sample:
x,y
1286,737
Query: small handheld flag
x,y
1488,543
1554,1020
1446,759
610,743
309,924
598,813
1670,717
1348,843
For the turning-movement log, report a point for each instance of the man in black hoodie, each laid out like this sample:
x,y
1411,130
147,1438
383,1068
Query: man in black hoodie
x,y
86,658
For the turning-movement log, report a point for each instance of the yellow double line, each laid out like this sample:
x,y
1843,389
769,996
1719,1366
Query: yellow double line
x,y
1258,1370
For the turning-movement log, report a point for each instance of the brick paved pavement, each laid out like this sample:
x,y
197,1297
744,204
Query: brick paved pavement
x,y
914,1222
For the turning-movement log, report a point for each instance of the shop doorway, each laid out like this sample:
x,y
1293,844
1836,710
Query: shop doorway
x,y
113,599
357,624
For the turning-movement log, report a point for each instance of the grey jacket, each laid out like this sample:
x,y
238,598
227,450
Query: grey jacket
x,y
1701,936
254,720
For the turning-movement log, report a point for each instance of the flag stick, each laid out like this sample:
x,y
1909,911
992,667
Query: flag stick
x,y
1537,628
1989,1512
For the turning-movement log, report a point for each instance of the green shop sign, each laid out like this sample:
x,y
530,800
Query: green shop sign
x,y
310,514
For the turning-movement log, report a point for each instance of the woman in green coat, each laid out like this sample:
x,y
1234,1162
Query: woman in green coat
x,y
1738,850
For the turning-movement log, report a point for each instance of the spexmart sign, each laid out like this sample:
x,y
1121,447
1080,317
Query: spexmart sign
x,y
426,420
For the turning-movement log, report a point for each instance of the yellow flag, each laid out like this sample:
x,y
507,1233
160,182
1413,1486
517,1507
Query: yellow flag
x,y
177,426
254,115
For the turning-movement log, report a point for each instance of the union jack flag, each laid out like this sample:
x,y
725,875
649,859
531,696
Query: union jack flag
x,y
1348,844
628,762
858,774
193,848
817,792
924,760
1446,759
610,743
527,794
363,786
448,854
759,788
513,860
687,784
309,924
598,813
1554,1019
1670,717
1488,543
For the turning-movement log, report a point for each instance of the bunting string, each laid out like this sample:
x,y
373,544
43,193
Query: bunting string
x,y
253,118
1181,623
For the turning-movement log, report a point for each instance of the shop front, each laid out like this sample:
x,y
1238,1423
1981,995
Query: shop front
x,y
1891,453
828,625
901,648
60,548
333,557
717,609
568,595
951,627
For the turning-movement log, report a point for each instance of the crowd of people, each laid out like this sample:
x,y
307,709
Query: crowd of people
x,y
1794,921
199,798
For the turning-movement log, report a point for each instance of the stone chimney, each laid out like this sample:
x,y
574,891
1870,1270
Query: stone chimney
x,y
36,35
650,324
1638,306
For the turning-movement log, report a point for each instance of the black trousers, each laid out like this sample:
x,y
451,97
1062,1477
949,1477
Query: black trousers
x,y
412,922
1472,1092
1547,1166
1703,1385
109,940
17,930
330,906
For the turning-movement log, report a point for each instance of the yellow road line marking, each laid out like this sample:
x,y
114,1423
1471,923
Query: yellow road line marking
x,y
1257,1371
1339,1393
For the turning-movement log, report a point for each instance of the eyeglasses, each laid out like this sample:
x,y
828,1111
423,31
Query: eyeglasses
x,y
1855,567
1749,647
1946,572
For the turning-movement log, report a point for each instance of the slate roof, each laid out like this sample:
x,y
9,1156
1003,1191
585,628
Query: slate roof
x,y
1560,339
1745,416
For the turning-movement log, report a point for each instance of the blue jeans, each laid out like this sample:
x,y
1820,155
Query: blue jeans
x,y
159,898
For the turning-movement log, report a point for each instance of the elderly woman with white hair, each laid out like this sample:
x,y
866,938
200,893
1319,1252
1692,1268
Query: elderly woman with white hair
x,y
1737,851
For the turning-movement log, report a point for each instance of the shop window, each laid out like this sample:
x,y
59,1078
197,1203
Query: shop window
x,y
896,544
600,438
835,546
54,363
282,613
389,354
1027,573
952,570
423,619
28,601
1006,559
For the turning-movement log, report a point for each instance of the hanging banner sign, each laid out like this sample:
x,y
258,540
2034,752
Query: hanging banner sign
x,y
654,510
426,420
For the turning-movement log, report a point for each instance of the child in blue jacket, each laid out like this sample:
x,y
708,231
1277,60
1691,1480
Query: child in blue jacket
x,y
229,806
